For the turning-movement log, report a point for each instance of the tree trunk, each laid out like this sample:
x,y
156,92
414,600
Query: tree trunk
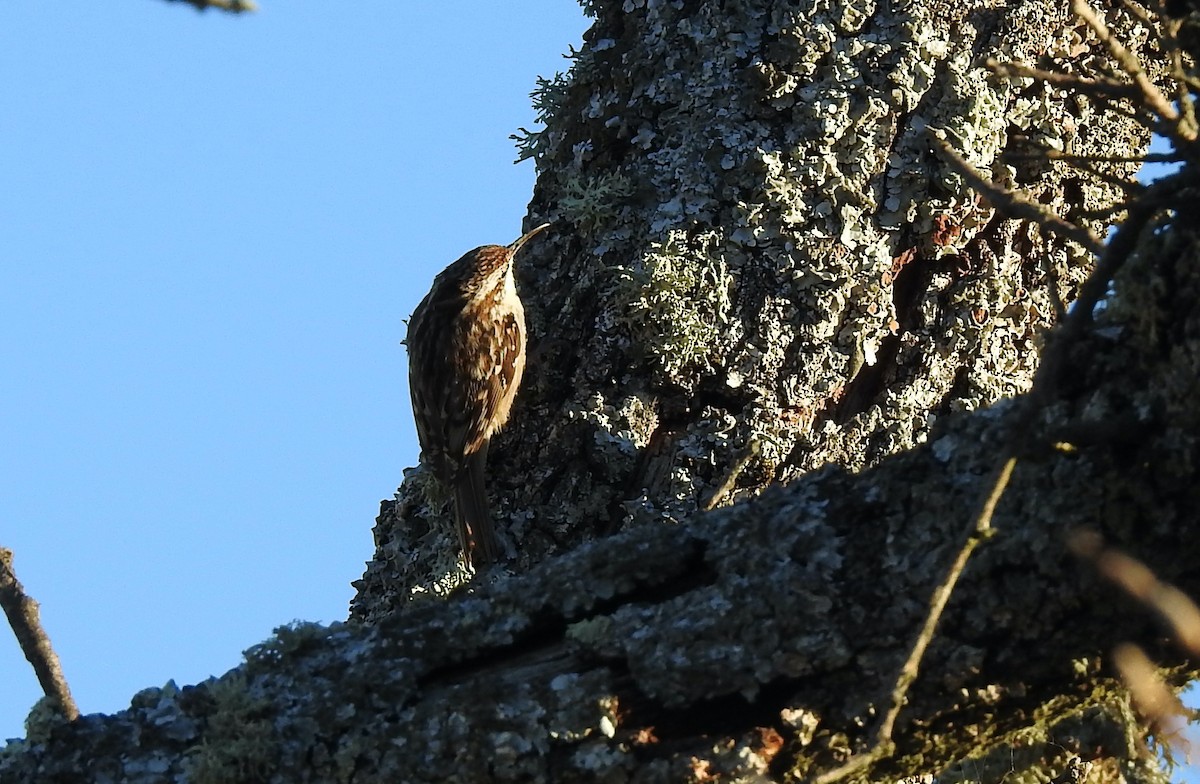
x,y
760,267
764,292
757,264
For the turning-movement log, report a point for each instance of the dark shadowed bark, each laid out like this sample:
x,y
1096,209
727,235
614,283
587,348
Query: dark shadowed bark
x,y
765,293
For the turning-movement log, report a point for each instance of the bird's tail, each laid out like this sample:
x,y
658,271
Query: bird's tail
x,y
476,534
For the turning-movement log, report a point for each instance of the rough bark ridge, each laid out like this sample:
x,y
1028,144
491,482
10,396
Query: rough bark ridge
x,y
758,640
757,265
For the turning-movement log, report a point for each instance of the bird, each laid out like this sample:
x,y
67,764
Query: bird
x,y
466,355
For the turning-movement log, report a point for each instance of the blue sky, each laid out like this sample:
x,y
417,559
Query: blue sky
x,y
213,227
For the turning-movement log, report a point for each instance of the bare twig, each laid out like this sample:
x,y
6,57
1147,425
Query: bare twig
x,y
1143,118
1184,81
727,486
22,613
1054,290
981,529
1087,164
1120,247
1083,84
232,6
1108,212
1013,204
1161,37
1140,582
1177,124
1151,96
1128,186
1059,155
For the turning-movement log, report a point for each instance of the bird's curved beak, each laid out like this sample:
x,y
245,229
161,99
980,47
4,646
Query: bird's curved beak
x,y
516,246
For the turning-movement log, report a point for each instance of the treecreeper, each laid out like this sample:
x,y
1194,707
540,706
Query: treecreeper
x,y
466,354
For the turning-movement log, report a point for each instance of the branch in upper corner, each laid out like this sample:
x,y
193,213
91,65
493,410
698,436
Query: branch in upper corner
x,y
1087,165
232,6
1151,97
22,613
1176,123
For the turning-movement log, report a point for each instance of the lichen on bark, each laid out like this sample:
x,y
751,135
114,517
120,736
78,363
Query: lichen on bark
x,y
758,266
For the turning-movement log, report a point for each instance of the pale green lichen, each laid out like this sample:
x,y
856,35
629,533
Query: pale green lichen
x,y
591,202
548,98
44,718
239,745
673,314
287,641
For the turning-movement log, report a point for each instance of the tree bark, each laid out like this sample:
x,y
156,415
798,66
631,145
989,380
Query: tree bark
x,y
759,266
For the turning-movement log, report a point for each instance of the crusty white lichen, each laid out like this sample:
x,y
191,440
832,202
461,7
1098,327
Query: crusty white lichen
x,y
588,204
754,240
673,301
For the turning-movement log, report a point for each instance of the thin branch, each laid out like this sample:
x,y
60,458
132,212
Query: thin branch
x,y
1161,37
1101,90
981,529
1184,81
1127,186
1151,96
729,484
1053,288
1143,118
232,6
22,613
1085,163
1104,212
1120,247
1013,204
1126,60
1081,84
1059,155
